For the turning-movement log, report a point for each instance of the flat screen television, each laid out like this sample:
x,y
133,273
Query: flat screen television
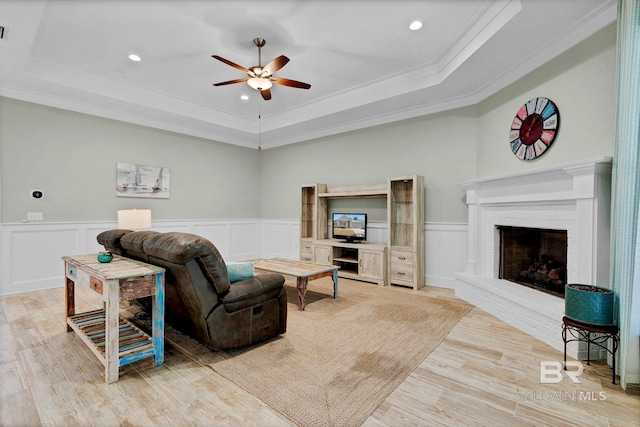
x,y
351,227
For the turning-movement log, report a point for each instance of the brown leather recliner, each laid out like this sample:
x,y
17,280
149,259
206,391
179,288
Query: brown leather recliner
x,y
200,301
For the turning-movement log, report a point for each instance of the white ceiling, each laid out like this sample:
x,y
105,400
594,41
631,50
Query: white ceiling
x,y
364,65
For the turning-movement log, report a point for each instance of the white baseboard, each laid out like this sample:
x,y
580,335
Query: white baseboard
x,y
440,281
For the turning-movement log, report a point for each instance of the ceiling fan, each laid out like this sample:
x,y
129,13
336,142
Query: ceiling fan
x,y
261,78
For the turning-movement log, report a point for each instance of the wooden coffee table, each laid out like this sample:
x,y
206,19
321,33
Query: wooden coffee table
x,y
302,271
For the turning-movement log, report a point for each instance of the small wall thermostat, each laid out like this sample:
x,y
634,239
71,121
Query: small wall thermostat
x,y
36,194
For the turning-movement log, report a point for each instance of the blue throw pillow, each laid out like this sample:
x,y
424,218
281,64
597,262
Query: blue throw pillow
x,y
239,271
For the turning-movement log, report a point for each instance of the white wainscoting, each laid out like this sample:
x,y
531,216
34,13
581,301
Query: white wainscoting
x,y
279,239
445,253
31,252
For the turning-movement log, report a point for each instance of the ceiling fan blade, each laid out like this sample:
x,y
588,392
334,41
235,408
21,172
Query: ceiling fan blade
x,y
230,82
266,94
233,64
276,64
289,82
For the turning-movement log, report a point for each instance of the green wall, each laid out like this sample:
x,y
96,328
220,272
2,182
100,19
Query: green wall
x,y
441,147
72,158
458,145
581,82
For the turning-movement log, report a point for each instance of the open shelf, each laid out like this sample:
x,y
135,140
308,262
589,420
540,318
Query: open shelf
x,y
351,260
90,326
355,192
307,213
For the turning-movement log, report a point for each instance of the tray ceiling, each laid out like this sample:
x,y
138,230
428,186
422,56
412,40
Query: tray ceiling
x,y
364,65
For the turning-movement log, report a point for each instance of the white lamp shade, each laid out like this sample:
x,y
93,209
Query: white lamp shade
x,y
259,83
134,219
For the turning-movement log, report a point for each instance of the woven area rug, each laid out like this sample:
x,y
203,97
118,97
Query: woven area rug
x,y
340,358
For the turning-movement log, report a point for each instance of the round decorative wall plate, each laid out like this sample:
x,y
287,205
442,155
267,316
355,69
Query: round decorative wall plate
x,y
534,128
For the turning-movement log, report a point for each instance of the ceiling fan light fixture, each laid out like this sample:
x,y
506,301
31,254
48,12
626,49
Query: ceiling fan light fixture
x,y
259,83
261,78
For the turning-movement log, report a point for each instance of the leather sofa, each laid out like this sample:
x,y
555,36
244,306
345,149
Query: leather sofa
x,y
200,301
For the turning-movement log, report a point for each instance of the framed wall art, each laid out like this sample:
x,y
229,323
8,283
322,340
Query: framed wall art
x,y
134,180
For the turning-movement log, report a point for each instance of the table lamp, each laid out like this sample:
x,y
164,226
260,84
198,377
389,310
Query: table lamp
x,y
134,219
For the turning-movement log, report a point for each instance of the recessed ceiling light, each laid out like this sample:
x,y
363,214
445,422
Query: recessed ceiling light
x,y
135,58
244,97
415,25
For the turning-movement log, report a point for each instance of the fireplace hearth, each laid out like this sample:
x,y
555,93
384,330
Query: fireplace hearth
x,y
534,257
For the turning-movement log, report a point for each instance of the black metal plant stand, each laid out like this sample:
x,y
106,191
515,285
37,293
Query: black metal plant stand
x,y
580,331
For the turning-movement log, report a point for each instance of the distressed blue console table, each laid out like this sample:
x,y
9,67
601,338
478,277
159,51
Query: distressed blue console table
x,y
114,340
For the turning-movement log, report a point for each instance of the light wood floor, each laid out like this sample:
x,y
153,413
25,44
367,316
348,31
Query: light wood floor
x,y
484,373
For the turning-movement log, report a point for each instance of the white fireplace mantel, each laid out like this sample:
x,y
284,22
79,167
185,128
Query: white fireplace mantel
x,y
575,197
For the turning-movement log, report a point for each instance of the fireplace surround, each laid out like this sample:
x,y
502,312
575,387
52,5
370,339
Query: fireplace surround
x,y
573,197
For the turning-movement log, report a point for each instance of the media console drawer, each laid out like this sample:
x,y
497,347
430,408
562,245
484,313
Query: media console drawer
x,y
403,272
306,251
401,257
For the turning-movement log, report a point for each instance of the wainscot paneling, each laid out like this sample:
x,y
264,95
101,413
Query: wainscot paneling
x,y
245,240
445,253
279,239
31,252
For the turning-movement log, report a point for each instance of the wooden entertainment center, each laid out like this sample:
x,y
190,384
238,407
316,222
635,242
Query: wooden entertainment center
x,y
400,261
